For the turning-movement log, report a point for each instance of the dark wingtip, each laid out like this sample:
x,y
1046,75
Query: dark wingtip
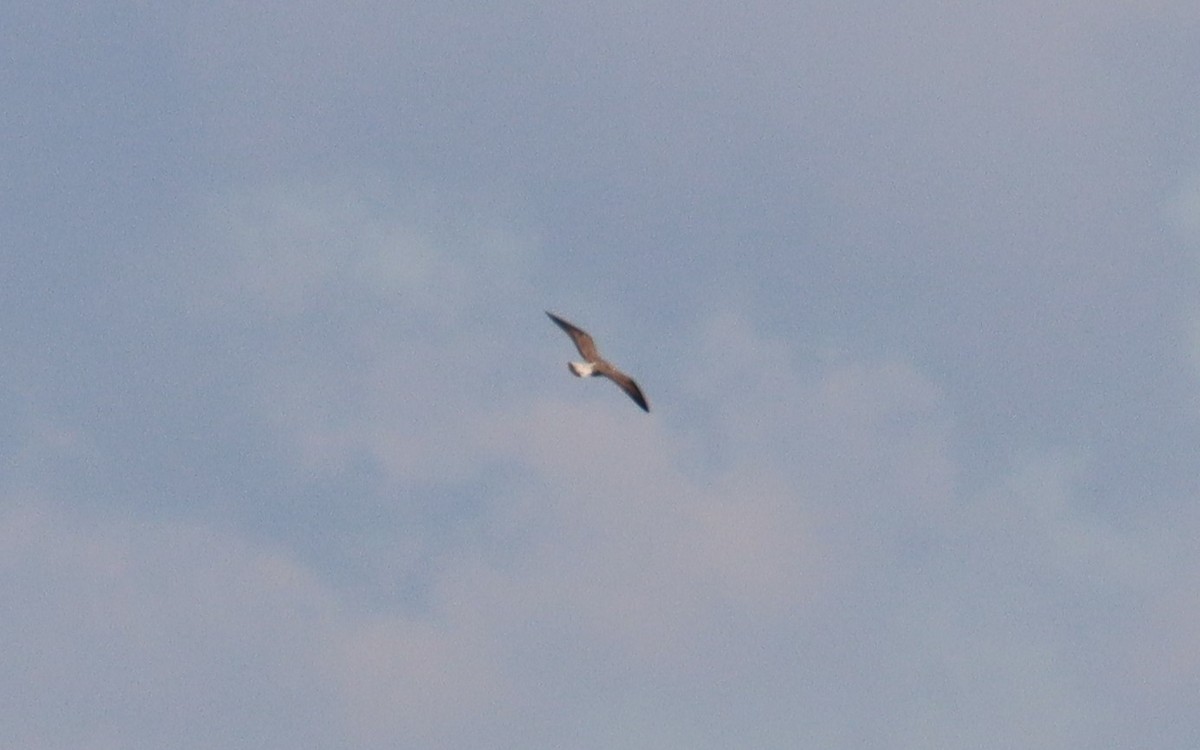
x,y
640,399
560,322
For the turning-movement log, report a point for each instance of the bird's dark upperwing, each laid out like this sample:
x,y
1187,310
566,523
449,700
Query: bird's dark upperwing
x,y
626,383
583,342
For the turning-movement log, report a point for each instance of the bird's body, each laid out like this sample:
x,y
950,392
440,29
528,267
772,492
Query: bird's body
x,y
597,365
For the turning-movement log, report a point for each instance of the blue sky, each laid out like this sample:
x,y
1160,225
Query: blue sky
x,y
292,457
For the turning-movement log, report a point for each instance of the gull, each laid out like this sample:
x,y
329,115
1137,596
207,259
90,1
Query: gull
x,y
595,364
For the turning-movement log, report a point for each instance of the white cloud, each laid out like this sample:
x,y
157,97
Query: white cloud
x,y
326,482
288,248
822,580
376,320
132,633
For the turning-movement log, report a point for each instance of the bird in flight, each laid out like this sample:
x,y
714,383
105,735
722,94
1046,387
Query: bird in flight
x,y
595,364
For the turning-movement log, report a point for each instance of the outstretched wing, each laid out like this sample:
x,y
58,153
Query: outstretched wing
x,y
583,342
626,383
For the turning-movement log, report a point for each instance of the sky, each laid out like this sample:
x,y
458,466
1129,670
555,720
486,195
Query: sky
x,y
291,457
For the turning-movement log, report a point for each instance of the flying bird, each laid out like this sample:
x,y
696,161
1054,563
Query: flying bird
x,y
595,364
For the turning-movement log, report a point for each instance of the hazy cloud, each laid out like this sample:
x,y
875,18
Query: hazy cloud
x,y
292,457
